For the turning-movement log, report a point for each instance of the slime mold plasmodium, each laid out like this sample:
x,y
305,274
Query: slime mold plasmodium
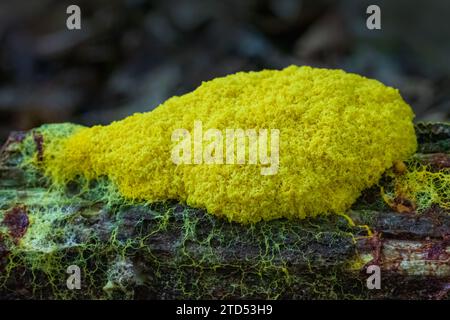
x,y
338,133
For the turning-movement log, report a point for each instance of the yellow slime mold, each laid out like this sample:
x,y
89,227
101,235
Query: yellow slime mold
x,y
338,132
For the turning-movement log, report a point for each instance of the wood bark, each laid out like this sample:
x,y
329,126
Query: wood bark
x,y
168,250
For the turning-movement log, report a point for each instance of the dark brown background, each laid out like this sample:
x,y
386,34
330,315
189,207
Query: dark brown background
x,y
131,55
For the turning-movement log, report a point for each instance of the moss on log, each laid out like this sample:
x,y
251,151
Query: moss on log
x,y
170,251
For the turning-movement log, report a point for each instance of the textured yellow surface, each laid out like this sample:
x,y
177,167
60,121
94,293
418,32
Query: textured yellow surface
x,y
338,133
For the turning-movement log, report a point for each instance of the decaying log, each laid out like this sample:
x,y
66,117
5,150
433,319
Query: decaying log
x,y
167,250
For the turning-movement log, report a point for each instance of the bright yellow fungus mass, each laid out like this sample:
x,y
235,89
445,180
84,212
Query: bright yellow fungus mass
x,y
338,133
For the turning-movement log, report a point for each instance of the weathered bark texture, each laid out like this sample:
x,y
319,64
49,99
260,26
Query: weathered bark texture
x,y
168,250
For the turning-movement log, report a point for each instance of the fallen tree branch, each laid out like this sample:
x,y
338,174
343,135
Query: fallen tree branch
x,y
168,250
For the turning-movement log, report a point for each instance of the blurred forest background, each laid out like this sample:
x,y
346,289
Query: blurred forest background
x,y
131,55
